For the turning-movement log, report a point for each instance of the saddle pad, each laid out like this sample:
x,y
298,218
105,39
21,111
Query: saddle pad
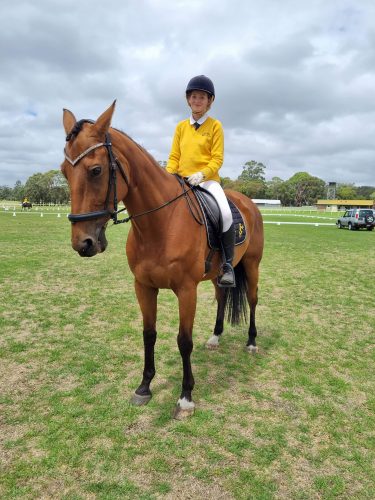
x,y
213,225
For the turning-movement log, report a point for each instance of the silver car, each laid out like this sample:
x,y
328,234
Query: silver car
x,y
357,218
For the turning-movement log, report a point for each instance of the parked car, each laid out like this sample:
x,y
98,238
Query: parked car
x,y
357,218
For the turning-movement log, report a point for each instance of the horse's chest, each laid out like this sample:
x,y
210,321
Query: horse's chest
x,y
153,273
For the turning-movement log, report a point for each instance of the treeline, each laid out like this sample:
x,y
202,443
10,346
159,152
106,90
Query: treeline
x,y
301,189
50,187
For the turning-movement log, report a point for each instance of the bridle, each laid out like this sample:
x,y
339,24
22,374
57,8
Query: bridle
x,y
114,166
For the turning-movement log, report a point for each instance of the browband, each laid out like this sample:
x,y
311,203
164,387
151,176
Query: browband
x,y
76,160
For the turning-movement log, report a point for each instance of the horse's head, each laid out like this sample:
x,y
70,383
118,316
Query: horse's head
x,y
90,169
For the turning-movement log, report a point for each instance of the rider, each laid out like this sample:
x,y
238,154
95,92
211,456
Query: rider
x,y
197,153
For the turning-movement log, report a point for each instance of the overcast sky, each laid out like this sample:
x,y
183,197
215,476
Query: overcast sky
x,y
294,79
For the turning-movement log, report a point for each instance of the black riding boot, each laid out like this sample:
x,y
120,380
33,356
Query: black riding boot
x,y
227,241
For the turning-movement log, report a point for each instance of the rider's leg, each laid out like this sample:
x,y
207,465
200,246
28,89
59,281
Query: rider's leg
x,y
228,236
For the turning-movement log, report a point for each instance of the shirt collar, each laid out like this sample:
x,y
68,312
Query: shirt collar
x,y
201,120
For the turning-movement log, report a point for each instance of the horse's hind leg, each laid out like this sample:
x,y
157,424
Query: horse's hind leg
x,y
147,298
213,341
187,301
252,276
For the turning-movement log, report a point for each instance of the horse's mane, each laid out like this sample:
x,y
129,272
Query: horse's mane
x,y
77,128
141,148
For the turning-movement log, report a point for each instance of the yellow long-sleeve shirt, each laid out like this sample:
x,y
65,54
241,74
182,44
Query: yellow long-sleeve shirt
x,y
199,150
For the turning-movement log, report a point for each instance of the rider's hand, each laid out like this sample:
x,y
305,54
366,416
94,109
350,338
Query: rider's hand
x,y
196,179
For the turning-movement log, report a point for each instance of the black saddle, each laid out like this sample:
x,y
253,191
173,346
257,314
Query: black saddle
x,y
213,220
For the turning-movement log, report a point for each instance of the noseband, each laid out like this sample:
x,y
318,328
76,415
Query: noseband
x,y
114,165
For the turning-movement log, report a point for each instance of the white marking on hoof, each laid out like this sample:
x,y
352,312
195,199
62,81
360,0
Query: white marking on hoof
x,y
184,404
213,342
252,349
184,409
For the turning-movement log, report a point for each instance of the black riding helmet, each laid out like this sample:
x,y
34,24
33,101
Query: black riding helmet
x,y
201,82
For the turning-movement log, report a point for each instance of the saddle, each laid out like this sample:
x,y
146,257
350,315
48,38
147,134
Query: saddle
x,y
213,220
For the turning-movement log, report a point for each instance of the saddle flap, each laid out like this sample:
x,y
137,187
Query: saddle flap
x,y
213,220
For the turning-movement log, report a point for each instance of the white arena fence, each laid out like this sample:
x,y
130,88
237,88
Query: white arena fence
x,y
46,210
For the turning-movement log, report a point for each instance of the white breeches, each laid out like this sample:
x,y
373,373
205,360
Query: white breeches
x,y
217,191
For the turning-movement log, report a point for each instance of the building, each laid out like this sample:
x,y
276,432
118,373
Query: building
x,y
335,205
267,203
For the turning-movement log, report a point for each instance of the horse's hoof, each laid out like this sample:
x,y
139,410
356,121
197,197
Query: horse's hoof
x,y
213,343
140,400
184,409
183,413
252,349
212,347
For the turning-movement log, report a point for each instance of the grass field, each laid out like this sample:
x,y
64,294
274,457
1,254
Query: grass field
x,y
296,421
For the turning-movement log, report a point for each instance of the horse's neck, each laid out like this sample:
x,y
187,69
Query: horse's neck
x,y
150,187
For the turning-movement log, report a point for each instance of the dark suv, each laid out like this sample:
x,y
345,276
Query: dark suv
x,y
357,218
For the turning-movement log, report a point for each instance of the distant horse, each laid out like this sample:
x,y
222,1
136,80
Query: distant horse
x,y
26,204
166,246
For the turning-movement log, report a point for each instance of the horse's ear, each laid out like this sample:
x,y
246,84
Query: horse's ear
x,y
104,121
68,120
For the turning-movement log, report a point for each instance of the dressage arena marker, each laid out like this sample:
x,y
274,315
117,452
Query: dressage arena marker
x,y
14,214
41,214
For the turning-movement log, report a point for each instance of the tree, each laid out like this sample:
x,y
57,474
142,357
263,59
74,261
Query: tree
x,y
58,187
346,192
50,187
252,171
286,194
18,191
274,188
252,189
365,192
307,189
227,183
6,193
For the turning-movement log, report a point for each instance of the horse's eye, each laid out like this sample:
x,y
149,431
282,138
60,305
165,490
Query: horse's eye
x,y
96,171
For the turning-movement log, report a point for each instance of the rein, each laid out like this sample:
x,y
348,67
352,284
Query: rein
x,y
191,206
115,165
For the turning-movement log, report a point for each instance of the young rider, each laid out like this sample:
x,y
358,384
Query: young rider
x,y
197,153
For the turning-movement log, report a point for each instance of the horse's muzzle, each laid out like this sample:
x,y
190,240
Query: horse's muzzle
x,y
87,246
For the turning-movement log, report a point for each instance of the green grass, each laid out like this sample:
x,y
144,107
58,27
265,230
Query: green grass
x,y
295,421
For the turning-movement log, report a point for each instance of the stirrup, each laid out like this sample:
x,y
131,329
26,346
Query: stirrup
x,y
227,280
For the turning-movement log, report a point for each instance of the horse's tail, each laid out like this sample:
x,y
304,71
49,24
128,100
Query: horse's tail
x,y
235,299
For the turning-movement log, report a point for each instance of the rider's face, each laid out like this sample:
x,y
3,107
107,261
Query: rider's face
x,y
199,102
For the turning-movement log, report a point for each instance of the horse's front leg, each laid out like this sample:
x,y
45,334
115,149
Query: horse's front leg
x,y
147,298
187,301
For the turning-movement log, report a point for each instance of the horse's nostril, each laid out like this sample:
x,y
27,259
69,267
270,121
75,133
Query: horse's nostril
x,y
86,248
88,243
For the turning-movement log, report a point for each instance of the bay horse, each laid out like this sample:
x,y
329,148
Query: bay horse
x,y
26,204
166,245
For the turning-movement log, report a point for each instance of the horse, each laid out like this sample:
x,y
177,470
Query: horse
x,y
26,204
167,244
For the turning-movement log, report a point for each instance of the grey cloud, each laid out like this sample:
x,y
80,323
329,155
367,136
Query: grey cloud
x,y
294,82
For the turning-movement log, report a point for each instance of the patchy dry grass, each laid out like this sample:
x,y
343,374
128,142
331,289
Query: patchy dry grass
x,y
296,421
